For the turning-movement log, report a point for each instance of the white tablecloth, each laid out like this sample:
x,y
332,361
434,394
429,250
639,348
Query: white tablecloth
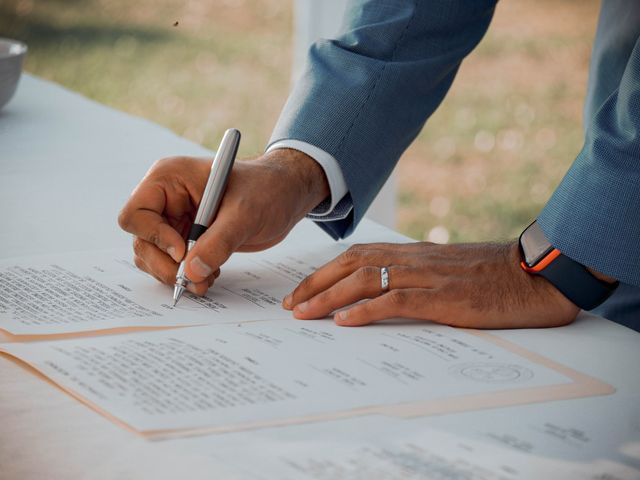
x,y
67,165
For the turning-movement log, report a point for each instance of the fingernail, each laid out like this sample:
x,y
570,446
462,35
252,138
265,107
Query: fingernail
x,y
200,268
288,300
301,307
191,287
342,315
172,253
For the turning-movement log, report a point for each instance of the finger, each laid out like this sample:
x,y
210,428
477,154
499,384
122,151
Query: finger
x,y
420,303
196,288
215,246
156,262
363,283
409,247
162,267
142,217
143,266
341,267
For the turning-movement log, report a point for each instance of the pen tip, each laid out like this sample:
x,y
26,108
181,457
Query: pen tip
x,y
177,293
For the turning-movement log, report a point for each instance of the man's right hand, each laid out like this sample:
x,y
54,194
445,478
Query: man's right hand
x,y
264,199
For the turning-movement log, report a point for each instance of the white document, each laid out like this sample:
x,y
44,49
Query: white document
x,y
87,291
104,290
227,377
577,431
375,447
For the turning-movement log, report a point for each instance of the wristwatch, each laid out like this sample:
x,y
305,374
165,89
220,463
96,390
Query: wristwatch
x,y
571,278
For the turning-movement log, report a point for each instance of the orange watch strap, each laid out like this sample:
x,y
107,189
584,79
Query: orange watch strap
x,y
542,264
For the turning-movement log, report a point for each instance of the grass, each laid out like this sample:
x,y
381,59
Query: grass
x,y
223,64
482,168
509,128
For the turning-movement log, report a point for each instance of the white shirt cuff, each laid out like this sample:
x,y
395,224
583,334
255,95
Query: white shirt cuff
x,y
335,179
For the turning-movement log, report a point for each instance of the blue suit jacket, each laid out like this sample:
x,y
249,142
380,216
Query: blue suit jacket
x,y
365,95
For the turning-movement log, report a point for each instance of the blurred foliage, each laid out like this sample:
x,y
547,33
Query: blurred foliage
x,y
225,62
483,167
491,156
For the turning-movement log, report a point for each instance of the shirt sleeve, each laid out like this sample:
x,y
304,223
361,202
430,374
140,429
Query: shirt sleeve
x,y
594,214
337,187
365,95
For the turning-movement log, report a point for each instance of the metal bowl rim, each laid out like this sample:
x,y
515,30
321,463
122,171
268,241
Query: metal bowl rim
x,y
23,48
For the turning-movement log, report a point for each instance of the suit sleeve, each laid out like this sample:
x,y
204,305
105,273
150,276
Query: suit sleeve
x,y
594,215
364,96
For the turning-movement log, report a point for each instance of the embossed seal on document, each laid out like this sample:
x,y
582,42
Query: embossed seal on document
x,y
492,372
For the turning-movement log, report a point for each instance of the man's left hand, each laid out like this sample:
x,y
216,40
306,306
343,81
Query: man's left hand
x,y
465,285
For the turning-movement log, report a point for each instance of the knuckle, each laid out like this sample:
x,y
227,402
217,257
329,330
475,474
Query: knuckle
x,y
139,263
154,237
325,297
139,246
344,259
124,219
164,162
397,298
367,274
305,284
351,255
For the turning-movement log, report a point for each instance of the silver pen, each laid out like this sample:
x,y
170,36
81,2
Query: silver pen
x,y
208,208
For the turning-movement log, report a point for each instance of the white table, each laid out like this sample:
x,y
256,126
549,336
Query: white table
x,y
66,166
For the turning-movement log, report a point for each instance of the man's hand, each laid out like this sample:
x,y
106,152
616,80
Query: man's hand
x,y
264,199
471,285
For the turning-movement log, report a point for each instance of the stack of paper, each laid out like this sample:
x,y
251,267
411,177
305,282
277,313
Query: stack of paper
x,y
245,363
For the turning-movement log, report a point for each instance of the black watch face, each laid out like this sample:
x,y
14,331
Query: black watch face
x,y
535,245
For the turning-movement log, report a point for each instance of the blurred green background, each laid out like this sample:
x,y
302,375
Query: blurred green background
x,y
483,167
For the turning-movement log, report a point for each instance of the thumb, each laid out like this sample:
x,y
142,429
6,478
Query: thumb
x,y
214,247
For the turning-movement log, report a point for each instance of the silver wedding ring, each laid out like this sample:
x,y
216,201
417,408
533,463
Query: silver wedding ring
x,y
384,278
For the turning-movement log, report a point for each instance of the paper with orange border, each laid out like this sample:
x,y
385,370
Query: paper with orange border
x,y
581,385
